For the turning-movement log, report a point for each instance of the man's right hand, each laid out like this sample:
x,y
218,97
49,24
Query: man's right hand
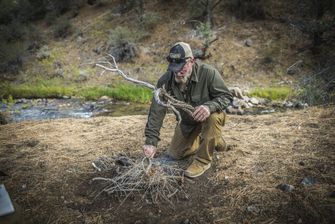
x,y
149,151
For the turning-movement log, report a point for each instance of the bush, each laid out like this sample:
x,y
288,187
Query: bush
x,y
120,35
206,33
10,57
245,9
319,88
14,31
62,29
149,20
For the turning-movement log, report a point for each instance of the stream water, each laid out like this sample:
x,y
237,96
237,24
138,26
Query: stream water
x,y
39,109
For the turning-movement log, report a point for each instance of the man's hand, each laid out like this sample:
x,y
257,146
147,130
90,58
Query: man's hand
x,y
149,151
201,113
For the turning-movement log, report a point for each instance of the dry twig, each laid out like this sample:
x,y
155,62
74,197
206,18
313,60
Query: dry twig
x,y
154,180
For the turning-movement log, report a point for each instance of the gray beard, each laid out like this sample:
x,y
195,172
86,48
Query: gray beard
x,y
183,80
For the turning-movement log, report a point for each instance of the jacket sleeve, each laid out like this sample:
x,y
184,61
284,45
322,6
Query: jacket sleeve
x,y
220,96
155,120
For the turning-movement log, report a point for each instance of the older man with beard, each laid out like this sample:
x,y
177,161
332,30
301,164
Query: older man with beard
x,y
202,86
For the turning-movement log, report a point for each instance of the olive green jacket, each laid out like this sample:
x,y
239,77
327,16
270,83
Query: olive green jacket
x,y
206,87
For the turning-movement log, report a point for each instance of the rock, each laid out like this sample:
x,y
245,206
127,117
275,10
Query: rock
x,y
23,100
43,53
248,42
66,97
186,221
287,104
58,73
238,103
83,76
254,101
123,52
4,118
97,50
250,105
300,105
285,187
104,98
246,98
308,181
230,109
240,111
237,92
268,111
263,101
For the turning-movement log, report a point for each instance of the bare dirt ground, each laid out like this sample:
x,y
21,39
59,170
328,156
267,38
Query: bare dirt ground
x,y
49,169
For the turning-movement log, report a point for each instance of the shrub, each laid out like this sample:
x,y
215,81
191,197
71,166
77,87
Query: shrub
x,y
318,88
120,35
13,31
245,9
62,29
205,32
11,57
149,20
43,53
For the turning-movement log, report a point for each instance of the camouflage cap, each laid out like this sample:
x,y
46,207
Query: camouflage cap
x,y
179,52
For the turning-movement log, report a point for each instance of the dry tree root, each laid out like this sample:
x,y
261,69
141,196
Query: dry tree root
x,y
156,181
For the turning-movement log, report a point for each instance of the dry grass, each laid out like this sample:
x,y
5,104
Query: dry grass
x,y
49,164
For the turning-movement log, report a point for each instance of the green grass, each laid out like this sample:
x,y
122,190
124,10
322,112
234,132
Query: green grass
x,y
48,90
119,92
272,93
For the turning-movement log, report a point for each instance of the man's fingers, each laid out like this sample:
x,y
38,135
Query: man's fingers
x,y
201,113
149,151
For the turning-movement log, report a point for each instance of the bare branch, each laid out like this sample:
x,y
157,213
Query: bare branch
x,y
159,93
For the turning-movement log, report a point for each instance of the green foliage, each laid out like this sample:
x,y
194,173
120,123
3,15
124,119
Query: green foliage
x,y
11,57
195,8
119,92
149,20
242,9
53,89
120,35
319,88
63,28
34,91
272,93
206,33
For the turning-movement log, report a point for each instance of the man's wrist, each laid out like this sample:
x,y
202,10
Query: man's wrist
x,y
151,142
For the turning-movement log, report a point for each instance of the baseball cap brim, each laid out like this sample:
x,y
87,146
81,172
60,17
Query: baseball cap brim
x,y
176,67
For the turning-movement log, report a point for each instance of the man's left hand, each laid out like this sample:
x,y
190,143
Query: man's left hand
x,y
201,113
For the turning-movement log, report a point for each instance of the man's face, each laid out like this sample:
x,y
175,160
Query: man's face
x,y
183,75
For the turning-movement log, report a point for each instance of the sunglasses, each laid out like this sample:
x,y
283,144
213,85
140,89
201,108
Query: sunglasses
x,y
176,60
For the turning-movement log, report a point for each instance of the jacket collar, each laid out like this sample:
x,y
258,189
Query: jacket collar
x,y
194,75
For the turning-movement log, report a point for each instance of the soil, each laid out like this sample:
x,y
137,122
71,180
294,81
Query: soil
x,y
46,168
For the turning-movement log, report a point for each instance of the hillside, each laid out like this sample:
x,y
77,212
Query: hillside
x,y
249,52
